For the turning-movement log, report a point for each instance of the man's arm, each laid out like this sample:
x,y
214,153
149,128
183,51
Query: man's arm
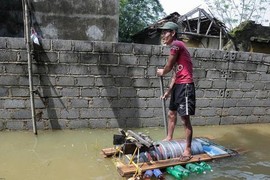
x,y
169,90
168,67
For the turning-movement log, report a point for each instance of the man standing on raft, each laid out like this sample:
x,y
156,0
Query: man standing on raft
x,y
181,88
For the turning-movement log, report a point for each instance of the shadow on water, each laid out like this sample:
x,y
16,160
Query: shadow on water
x,y
251,165
251,139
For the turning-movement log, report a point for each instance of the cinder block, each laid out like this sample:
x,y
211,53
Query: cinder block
x,y
98,70
240,120
245,111
77,69
19,92
16,68
205,84
117,71
47,57
246,85
83,46
219,84
89,113
76,124
128,92
136,102
69,113
141,82
8,56
191,51
142,60
158,61
89,58
227,120
104,47
21,114
5,114
257,57
16,43
108,81
133,123
98,102
213,74
230,102
142,49
14,125
45,44
60,103
156,50
266,58
3,43
123,48
104,123
264,119
165,50
2,126
145,93
109,59
109,92
69,57
217,54
14,103
57,69
244,56
252,119
61,45
4,92
78,103
90,92
136,71
70,92
198,121
128,60
65,81
151,122
202,53
212,121
84,81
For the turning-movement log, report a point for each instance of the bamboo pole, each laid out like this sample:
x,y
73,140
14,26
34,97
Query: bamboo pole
x,y
163,106
28,46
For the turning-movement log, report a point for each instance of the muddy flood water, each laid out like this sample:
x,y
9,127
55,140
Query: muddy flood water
x,y
75,154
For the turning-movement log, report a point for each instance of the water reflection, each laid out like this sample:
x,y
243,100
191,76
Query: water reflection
x,y
75,154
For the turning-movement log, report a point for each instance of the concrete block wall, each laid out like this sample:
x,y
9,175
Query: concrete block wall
x,y
96,84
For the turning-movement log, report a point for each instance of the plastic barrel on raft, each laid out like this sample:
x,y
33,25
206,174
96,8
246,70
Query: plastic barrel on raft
x,y
169,149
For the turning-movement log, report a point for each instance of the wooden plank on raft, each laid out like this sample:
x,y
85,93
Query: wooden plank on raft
x,y
108,152
127,170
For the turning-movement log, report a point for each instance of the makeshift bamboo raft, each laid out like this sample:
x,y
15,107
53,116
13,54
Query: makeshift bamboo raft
x,y
135,153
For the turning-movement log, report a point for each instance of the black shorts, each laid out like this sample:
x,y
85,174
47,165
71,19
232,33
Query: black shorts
x,y
183,99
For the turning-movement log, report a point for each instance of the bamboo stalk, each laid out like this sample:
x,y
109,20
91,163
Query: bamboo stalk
x,y
28,47
163,106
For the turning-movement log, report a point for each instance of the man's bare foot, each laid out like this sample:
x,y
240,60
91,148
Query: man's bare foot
x,y
167,139
186,153
184,158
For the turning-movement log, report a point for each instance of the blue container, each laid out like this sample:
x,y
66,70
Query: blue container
x,y
157,173
148,174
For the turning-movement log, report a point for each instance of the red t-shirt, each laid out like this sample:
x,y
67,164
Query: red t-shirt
x,y
183,67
